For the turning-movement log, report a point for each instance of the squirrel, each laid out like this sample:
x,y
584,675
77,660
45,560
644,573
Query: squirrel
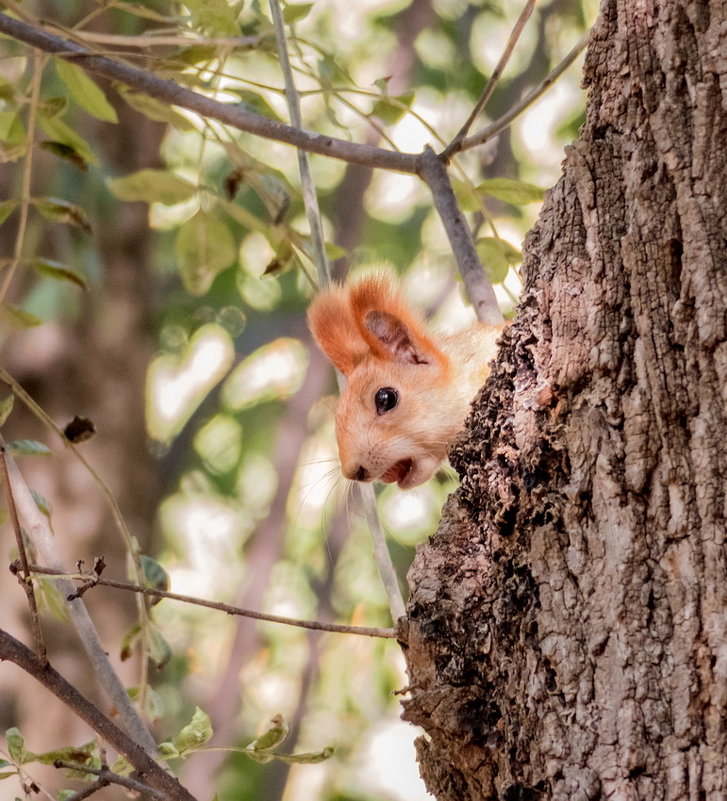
x,y
408,390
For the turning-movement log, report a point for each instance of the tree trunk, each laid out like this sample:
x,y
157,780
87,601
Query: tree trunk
x,y
567,627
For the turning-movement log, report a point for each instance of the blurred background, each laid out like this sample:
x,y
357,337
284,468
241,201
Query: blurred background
x,y
158,285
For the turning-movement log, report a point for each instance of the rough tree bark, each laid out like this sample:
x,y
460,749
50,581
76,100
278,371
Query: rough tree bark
x,y
567,629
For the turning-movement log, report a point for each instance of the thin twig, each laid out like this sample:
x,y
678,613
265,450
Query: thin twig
x,y
454,145
38,63
381,554
25,565
310,197
170,92
94,580
479,290
152,773
105,777
506,120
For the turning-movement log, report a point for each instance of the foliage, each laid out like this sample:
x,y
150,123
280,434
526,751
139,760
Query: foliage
x,y
233,412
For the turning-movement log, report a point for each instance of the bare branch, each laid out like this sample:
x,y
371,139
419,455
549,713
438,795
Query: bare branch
x,y
105,777
170,92
455,145
506,120
479,290
228,609
152,773
25,579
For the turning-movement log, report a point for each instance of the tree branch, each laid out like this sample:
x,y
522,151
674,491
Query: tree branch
x,y
170,92
365,631
455,145
479,290
153,774
506,120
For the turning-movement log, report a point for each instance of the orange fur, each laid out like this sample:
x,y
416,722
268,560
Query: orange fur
x,y
379,343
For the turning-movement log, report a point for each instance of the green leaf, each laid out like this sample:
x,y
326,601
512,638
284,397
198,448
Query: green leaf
x,y
127,642
7,207
41,502
16,746
80,755
152,186
12,130
296,12
204,246
85,91
60,272
19,318
310,758
391,109
8,774
519,193
54,106
6,407
154,575
57,130
215,17
271,738
28,447
160,652
168,750
61,211
155,109
65,152
122,767
195,734
52,600
497,256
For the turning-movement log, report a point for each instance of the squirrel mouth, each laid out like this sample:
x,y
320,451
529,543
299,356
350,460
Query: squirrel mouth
x,y
398,472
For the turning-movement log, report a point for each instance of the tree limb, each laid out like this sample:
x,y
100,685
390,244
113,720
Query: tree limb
x,y
479,290
170,92
152,773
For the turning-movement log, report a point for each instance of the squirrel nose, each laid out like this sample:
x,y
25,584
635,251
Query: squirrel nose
x,y
357,473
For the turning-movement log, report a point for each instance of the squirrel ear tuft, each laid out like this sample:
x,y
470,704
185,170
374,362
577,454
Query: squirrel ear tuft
x,y
393,331
331,321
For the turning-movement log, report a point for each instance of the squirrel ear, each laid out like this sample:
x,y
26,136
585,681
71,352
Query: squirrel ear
x,y
334,328
392,330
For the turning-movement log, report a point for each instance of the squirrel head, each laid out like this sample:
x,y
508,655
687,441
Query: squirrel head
x,y
396,414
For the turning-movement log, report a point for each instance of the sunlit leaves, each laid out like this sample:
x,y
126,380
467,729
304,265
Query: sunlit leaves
x,y
214,17
497,256
390,109
178,383
294,12
85,91
204,246
519,193
152,186
263,748
155,109
274,371
16,746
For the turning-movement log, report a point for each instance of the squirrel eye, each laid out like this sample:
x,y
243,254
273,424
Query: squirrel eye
x,y
386,398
